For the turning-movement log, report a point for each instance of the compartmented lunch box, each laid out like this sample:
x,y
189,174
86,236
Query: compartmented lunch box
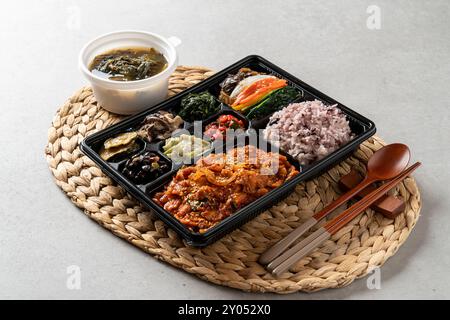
x,y
361,127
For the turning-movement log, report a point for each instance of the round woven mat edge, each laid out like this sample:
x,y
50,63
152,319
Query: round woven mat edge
x,y
367,242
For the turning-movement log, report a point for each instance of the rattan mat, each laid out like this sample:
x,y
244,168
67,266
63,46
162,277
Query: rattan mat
x,y
353,252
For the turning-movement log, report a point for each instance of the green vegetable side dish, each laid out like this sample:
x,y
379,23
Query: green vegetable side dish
x,y
198,106
274,102
128,64
185,147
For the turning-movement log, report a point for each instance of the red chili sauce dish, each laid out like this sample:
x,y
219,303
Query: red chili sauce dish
x,y
217,130
218,185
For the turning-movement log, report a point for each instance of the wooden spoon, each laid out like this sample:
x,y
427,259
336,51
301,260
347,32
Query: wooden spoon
x,y
385,164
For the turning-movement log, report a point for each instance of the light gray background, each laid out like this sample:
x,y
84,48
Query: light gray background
x,y
398,76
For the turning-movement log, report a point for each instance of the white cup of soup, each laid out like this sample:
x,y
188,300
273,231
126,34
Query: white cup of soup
x,y
129,70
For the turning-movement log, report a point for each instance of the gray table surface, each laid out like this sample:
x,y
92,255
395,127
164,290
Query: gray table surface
x,y
398,76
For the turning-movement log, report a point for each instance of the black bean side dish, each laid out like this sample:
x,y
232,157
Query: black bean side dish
x,y
145,167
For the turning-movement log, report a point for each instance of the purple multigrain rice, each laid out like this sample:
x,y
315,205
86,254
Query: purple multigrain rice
x,y
308,130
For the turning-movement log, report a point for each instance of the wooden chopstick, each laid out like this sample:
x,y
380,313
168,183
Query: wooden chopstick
x,y
291,256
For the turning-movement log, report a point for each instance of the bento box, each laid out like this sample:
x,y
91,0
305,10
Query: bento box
x,y
147,155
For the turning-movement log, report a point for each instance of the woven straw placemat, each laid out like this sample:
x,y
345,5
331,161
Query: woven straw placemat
x,y
367,242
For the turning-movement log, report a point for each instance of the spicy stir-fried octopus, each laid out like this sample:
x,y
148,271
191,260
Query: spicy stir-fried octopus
x,y
218,185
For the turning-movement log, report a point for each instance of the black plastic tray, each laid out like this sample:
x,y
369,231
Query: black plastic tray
x,y
362,127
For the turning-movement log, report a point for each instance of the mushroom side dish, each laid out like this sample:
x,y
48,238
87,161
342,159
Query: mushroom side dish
x,y
159,126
